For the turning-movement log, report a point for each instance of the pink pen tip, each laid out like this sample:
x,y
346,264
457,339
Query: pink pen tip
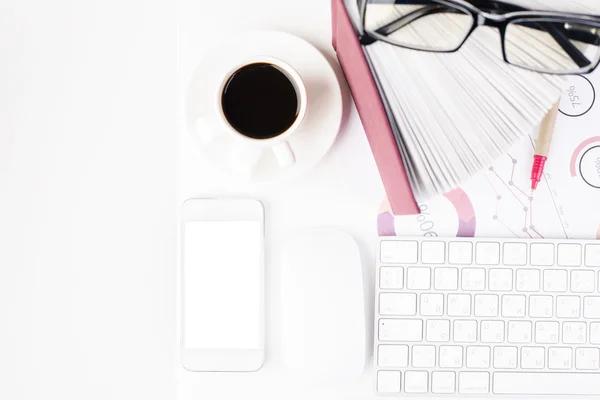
x,y
537,170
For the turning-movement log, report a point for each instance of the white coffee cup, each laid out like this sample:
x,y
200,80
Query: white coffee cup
x,y
248,150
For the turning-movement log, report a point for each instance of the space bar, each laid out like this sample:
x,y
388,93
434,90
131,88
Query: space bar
x,y
545,383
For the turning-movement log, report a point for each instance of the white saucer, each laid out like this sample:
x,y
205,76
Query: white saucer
x,y
321,124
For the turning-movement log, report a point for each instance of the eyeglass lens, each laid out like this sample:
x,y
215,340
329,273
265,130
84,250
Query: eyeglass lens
x,y
541,44
552,45
424,25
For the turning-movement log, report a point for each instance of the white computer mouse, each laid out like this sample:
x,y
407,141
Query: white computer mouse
x,y
323,308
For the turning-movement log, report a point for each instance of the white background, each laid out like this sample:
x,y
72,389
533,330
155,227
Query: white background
x,y
343,191
89,199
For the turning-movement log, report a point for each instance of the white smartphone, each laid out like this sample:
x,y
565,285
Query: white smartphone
x,y
223,274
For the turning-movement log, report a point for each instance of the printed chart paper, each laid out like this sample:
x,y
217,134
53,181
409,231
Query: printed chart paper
x,y
498,201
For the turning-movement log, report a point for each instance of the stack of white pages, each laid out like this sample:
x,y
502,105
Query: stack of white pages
x,y
454,113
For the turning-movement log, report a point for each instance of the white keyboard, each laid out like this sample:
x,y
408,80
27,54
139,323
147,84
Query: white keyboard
x,y
490,316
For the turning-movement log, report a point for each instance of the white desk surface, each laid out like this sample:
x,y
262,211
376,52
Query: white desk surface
x,y
89,192
344,190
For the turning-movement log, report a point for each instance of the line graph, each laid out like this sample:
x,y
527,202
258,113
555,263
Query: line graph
x,y
509,185
497,202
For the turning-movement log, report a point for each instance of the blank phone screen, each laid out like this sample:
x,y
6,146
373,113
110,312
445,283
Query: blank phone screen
x,y
222,285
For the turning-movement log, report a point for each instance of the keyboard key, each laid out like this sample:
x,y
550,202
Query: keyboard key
x,y
540,306
528,280
519,331
415,382
568,306
595,332
451,356
532,357
400,330
505,357
487,253
582,281
473,279
391,277
473,382
587,358
545,383
542,254
445,278
492,331
513,305
514,254
397,304
460,253
465,331
560,358
433,252
418,278
423,356
432,304
399,251
530,313
574,332
438,330
555,280
459,305
569,255
592,255
392,355
500,279
388,381
546,332
478,357
443,382
486,305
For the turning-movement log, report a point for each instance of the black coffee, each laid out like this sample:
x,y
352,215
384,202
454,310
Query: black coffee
x,y
260,101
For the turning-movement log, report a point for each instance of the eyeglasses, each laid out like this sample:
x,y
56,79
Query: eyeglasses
x,y
550,42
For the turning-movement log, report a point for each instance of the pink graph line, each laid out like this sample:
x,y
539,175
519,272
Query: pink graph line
x,y
539,234
492,186
522,192
508,187
506,226
527,210
531,219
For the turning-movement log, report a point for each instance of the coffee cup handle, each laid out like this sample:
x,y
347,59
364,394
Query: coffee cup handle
x,y
284,154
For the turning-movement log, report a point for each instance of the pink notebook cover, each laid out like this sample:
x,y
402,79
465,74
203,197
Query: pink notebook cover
x,y
372,112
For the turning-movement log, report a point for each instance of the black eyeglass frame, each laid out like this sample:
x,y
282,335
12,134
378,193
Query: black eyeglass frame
x,y
501,21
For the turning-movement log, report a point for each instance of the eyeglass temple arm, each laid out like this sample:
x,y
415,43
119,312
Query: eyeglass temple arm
x,y
560,35
431,9
404,20
561,38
